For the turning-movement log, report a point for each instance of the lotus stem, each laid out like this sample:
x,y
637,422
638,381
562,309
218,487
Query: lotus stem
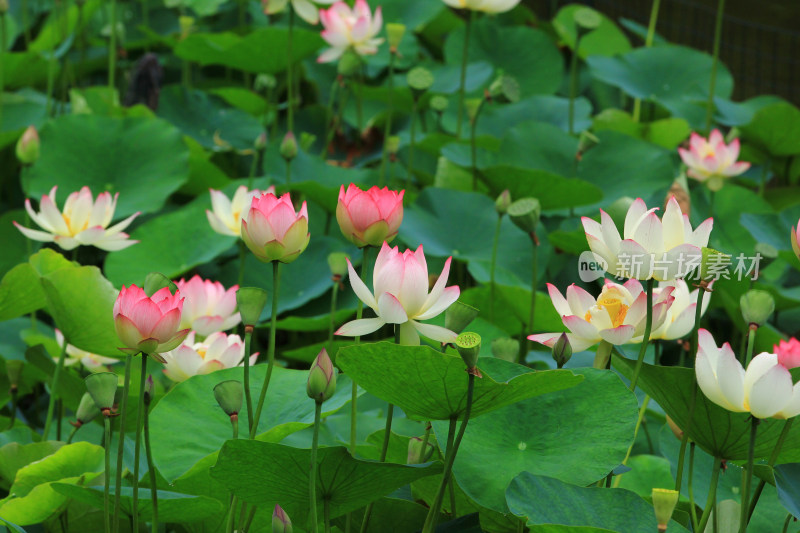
x,y
648,42
712,494
648,325
387,130
714,63
137,444
751,343
747,476
326,511
126,384
691,487
426,438
473,146
463,82
151,468
639,419
14,399
329,118
772,459
312,478
107,481
534,282
411,143
2,59
248,349
290,73
51,405
332,323
273,326
451,437
112,47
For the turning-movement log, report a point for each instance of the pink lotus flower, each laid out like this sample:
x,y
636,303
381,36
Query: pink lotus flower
x,y
207,306
401,296
92,362
216,352
226,215
371,217
711,161
617,316
350,29
273,231
148,324
84,221
788,352
795,238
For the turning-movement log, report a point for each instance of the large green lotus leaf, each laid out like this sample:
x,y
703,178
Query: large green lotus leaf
x,y
540,146
732,113
716,430
59,21
776,129
15,244
389,515
81,302
144,159
430,385
729,234
283,477
24,69
787,479
203,173
21,291
172,506
545,500
539,73
666,132
21,109
646,473
552,191
182,443
606,40
413,15
207,119
15,455
261,51
512,308
554,435
621,165
554,110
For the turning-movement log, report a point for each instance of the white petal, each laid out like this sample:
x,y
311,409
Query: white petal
x,y
436,333
771,392
391,310
360,288
357,328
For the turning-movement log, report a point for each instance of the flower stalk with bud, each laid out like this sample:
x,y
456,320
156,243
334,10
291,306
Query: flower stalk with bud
x,y
320,387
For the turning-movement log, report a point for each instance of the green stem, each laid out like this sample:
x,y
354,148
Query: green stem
x,y
332,323
248,349
312,478
387,130
242,258
14,399
51,405
126,385
151,468
692,506
534,283
748,477
412,142
451,438
787,522
648,42
573,82
772,459
463,81
112,47
493,266
712,494
474,146
425,440
639,419
326,511
646,339
288,172
329,119
714,63
107,483
2,60
137,444
290,73
751,343
520,525
273,326
234,501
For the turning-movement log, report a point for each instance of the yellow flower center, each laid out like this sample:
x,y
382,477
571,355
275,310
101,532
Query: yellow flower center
x,y
708,151
614,307
201,352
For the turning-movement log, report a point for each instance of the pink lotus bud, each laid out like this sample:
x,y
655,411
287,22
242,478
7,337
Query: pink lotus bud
x,y
712,161
288,147
28,146
788,352
371,217
795,237
273,231
321,378
148,324
280,521
350,29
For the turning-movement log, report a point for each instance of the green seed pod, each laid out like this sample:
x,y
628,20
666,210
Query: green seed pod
x,y
525,213
251,302
468,345
102,386
757,306
229,396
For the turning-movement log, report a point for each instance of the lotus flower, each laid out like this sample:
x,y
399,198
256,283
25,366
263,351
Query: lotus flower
x,y
795,238
712,161
680,315
788,352
91,361
207,306
764,390
273,231
226,217
401,297
304,8
193,358
371,217
84,221
653,248
488,6
617,316
148,324
350,29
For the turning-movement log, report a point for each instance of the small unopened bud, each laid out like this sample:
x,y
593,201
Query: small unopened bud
x,y
13,371
502,202
664,502
321,378
416,454
87,410
586,141
439,103
229,396
28,145
505,348
468,345
186,25
458,316
757,306
149,389
678,432
251,302
261,141
394,34
393,144
713,264
525,213
337,262
349,63
280,521
562,350
102,386
289,147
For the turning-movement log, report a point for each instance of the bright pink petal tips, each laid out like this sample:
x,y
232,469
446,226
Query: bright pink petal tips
x,y
146,323
369,218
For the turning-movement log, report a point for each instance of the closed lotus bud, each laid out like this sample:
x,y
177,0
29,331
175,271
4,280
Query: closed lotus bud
x,y
261,141
416,454
664,502
280,521
87,410
229,396
28,145
505,348
394,34
468,345
525,213
288,147
562,350
678,432
102,386
458,316
757,306
502,202
186,25
321,378
251,302
13,371
149,389
337,261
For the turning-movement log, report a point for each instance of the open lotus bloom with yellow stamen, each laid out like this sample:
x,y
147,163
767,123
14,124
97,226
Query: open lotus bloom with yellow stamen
x,y
84,221
488,6
680,316
401,297
349,28
207,306
617,316
712,161
764,390
193,358
90,361
660,248
225,215
305,9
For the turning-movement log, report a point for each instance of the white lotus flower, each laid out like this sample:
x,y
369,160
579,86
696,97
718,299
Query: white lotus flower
x,y
216,352
91,361
680,315
226,215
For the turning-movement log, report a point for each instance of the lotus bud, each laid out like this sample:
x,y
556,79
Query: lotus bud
x,y
502,202
261,141
229,396
265,81
504,89
155,281
280,521
394,34
13,371
757,306
349,63
439,103
713,264
562,350
251,302
525,213
419,80
87,410
458,316
416,454
149,389
321,378
664,502
505,348
289,146
28,146
468,345
186,25
473,107
102,386
337,261
678,432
